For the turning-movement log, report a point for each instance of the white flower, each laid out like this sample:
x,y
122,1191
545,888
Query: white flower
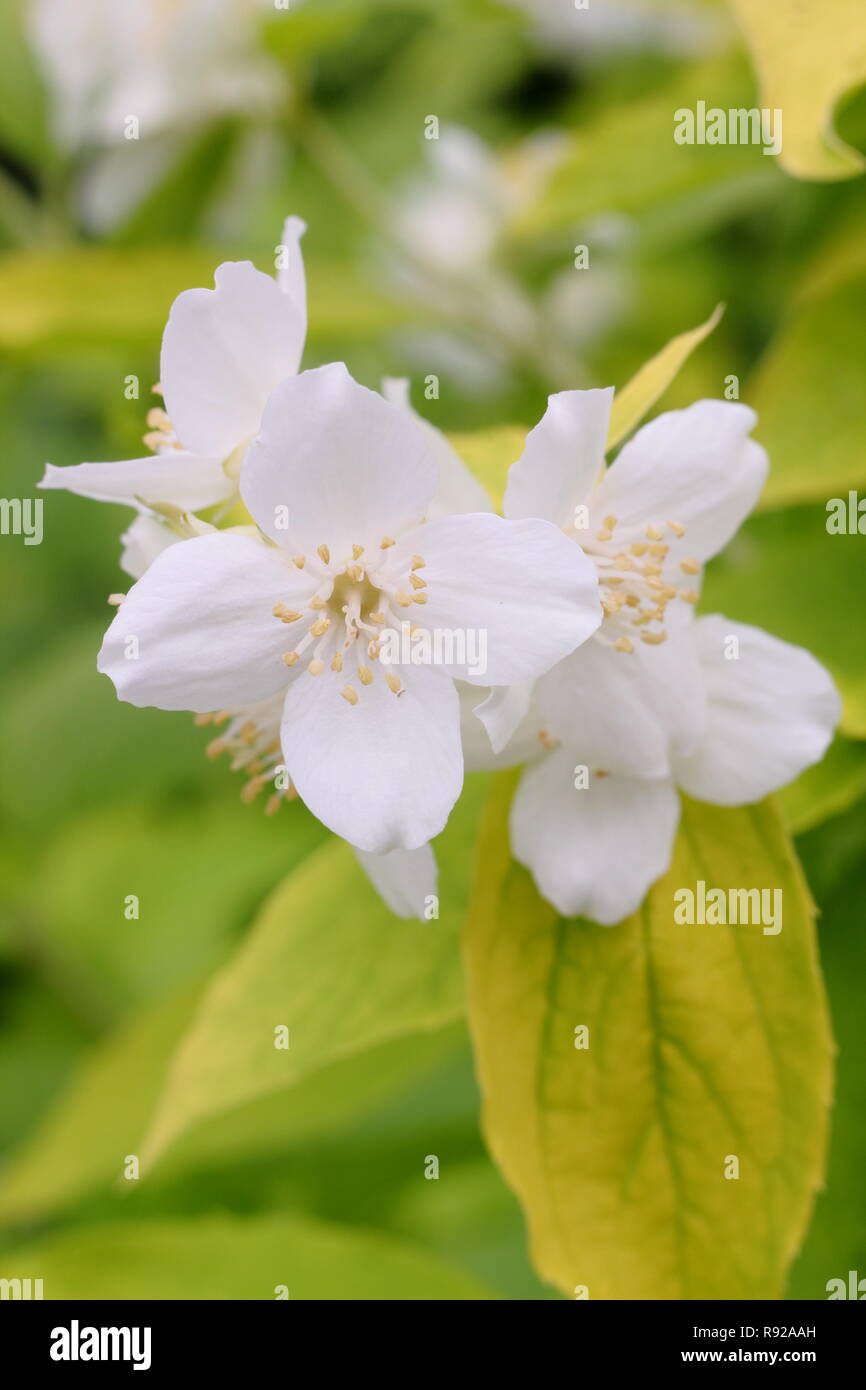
x,y
655,700
340,482
169,64
223,352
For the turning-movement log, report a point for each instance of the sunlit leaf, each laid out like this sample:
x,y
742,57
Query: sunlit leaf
x,y
706,1044
806,59
640,394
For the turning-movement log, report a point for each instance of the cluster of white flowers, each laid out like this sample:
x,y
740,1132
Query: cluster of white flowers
x,y
349,522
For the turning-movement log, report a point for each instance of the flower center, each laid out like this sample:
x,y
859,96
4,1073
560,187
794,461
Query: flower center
x,y
356,600
639,575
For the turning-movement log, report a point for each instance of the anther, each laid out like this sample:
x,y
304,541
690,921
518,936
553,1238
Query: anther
x,y
386,542
365,675
316,667
324,554
350,693
299,561
418,562
393,682
357,552
678,529
653,639
653,533
337,661
690,566
290,658
320,627
417,582
624,644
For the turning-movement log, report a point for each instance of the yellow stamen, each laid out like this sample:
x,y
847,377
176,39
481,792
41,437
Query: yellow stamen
x,y
357,552
337,661
299,561
393,682
678,529
324,554
417,582
290,658
653,533
386,542
690,566
350,693
365,675
418,562
320,627
653,639
316,667
624,644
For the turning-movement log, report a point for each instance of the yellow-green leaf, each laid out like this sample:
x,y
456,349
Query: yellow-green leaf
x,y
328,962
489,454
808,392
226,1258
640,394
807,57
826,789
706,1044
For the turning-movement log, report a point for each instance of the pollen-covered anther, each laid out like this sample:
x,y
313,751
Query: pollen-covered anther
x,y
403,599
316,667
689,595
320,627
419,598
216,748
324,554
377,618
373,649
678,529
417,582
286,615
357,552
350,693
418,562
393,682
624,644
337,661
291,657
690,566
653,533
251,789
639,548
659,550
299,561
653,639
365,675
355,573
386,542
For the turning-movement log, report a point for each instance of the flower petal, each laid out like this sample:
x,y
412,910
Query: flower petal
x,y
146,538
562,459
291,277
349,467
457,489
626,712
696,467
503,711
771,713
174,478
520,590
383,773
404,878
478,754
223,352
205,637
594,851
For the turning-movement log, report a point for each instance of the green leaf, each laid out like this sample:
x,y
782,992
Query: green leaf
x,y
806,61
705,1042
327,961
80,1147
808,392
826,789
639,395
225,1258
785,573
198,873
626,158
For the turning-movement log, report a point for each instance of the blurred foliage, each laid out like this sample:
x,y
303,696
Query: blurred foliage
x,y
115,1033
